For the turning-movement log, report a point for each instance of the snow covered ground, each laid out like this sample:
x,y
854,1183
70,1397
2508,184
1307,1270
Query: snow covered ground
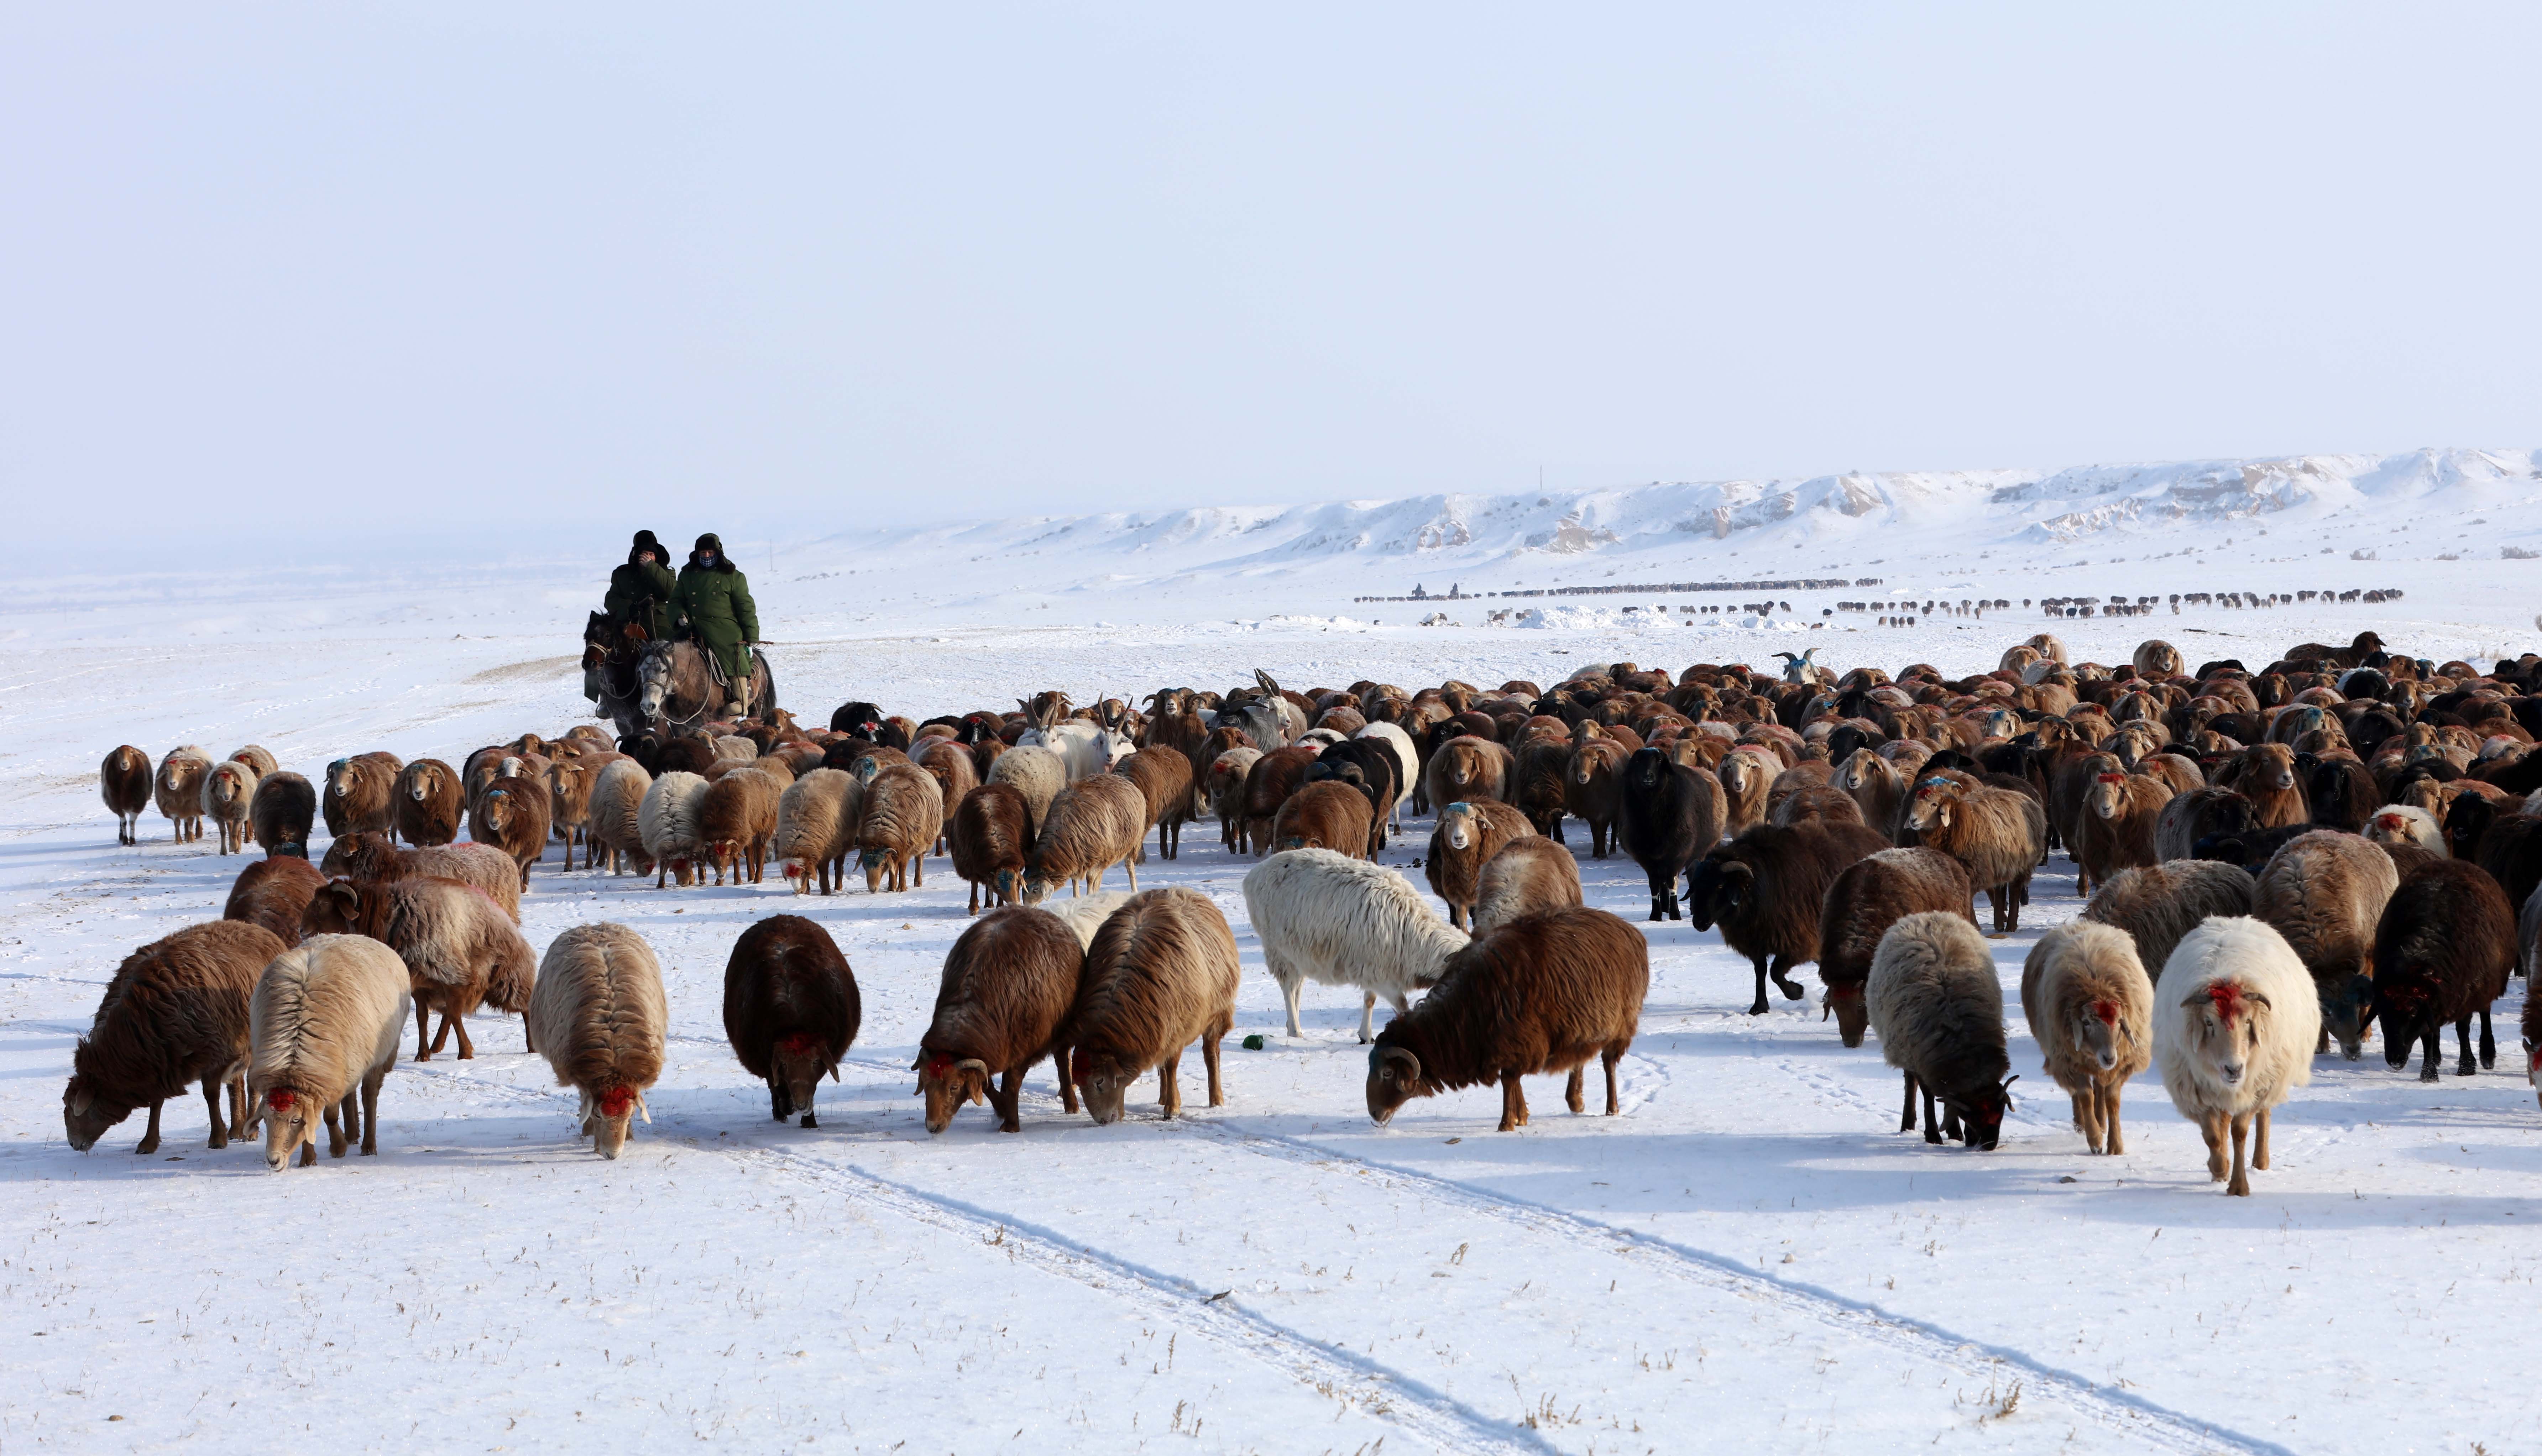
x,y
1749,1255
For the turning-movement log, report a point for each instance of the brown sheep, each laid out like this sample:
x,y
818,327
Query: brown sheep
x,y
570,782
816,827
1873,894
790,1009
1879,789
903,813
737,821
1008,984
1328,815
280,816
2265,776
228,789
1467,770
1224,787
1747,774
179,788
175,1012
359,793
1093,825
2090,1007
950,765
460,950
2160,904
1543,993
373,857
426,799
1161,973
2117,828
256,758
1540,774
600,1013
2444,948
1164,776
1820,801
511,814
991,834
1528,876
272,893
1469,834
2323,892
123,780
1590,784
1998,834
1267,786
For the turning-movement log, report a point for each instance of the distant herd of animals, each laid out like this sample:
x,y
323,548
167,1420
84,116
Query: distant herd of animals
x,y
2342,842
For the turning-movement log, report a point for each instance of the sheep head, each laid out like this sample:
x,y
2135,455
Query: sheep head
x,y
947,1082
1934,800
2408,1011
2224,1028
1393,1079
1981,1114
795,1065
86,1114
1716,890
2109,796
2100,1032
2346,1011
874,862
610,1116
1008,883
1851,1011
1102,1081
1458,826
291,1118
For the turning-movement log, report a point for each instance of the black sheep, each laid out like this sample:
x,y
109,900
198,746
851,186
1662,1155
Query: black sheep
x,y
2504,841
2341,793
1373,771
790,1009
863,719
1767,887
2443,952
1667,815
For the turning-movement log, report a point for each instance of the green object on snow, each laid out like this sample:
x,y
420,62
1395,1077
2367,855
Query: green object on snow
x,y
1254,1043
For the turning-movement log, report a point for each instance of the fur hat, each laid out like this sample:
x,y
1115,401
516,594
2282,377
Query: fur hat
x,y
710,542
646,541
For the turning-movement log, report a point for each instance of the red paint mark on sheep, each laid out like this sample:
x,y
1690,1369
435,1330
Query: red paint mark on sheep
x,y
2227,998
2108,1011
617,1101
2112,777
281,1100
799,1043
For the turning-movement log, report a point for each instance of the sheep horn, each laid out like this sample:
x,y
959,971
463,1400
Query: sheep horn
x,y
81,1101
643,1110
1411,1063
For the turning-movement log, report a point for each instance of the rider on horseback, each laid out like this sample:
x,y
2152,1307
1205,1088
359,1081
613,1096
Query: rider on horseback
x,y
639,592
714,597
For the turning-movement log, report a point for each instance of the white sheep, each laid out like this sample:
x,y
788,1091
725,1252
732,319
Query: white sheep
x,y
1086,749
1323,916
2090,1008
2235,1019
325,1021
669,822
599,1018
2406,824
1407,764
1084,914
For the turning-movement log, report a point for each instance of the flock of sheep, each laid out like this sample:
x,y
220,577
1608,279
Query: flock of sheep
x,y
2338,841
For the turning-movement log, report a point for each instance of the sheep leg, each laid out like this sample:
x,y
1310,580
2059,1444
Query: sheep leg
x,y
2113,1144
2462,1042
780,1105
422,1030
1932,1118
1059,1069
1170,1087
974,907
918,872
1131,868
212,1104
337,1111
1571,1090
1457,916
150,1135
1759,1007
1208,1048
1782,973
1906,1115
1004,1096
1513,1103
1997,898
1610,1058
1368,1018
2488,1045
2211,1125
371,1111
467,1047
238,1105
2259,1141
2433,1055
1663,896
1555,830
2240,1187
1289,990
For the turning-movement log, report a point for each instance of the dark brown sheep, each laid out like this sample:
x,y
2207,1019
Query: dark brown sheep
x,y
954,770
2116,830
1873,894
790,1009
1161,973
426,803
2443,951
1998,835
1164,778
1008,984
360,794
2160,904
991,835
175,1013
511,814
1543,993
738,821
2266,774
1589,779
1330,815
1267,786
1469,768
1540,774
373,857
461,951
1766,889
123,780
2324,892
272,893
280,817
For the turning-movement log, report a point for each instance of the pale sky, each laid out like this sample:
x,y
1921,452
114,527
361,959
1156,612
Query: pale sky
x,y
374,270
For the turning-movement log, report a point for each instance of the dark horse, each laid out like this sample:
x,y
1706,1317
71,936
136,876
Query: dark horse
x,y
676,690
609,678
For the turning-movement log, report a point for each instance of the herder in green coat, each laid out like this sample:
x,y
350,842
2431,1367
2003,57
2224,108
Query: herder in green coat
x,y
716,598
639,592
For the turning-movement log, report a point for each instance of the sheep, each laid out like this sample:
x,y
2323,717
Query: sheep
x,y
1093,825
2090,1008
1036,772
571,781
1371,768
1268,784
1766,889
1592,766
123,780
667,823
1327,917
359,795
2324,892
1407,762
228,791
2194,815
1528,877
2116,830
1465,838
1329,814
281,813
512,815
484,867
1085,914
1160,971
2406,824
1933,998
2159,903
1539,781
2157,659
736,819
1164,778
2000,835
950,765
816,827
2235,1020
599,1018
272,893
460,948
175,1012
614,816
1223,784
2265,776
426,803
790,1009
1667,815
1747,775
179,788
258,759
1543,993
1467,770
902,815
1873,894
324,1025
1877,785
2443,951
1009,983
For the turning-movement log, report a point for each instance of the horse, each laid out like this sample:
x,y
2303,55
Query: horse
x,y
609,654
678,691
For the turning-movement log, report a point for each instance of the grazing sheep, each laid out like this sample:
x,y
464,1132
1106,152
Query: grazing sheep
x,y
1999,835
902,815
1161,972
2090,1007
124,780
360,795
599,1018
280,815
2443,951
1766,889
178,789
512,815
1223,784
2195,814
2159,903
2324,892
2116,830
175,1012
1164,778
426,801
1528,877
1036,772
816,827
1667,815
1327,916
1329,814
667,823
616,817
228,789
324,1026
1543,993
790,1009
1268,784
1093,825
459,948
738,818
482,867
1008,984
1937,1006
1873,894
1465,838
272,893
2406,824
2235,1020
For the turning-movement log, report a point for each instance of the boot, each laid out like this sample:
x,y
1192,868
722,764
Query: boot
x,y
739,705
